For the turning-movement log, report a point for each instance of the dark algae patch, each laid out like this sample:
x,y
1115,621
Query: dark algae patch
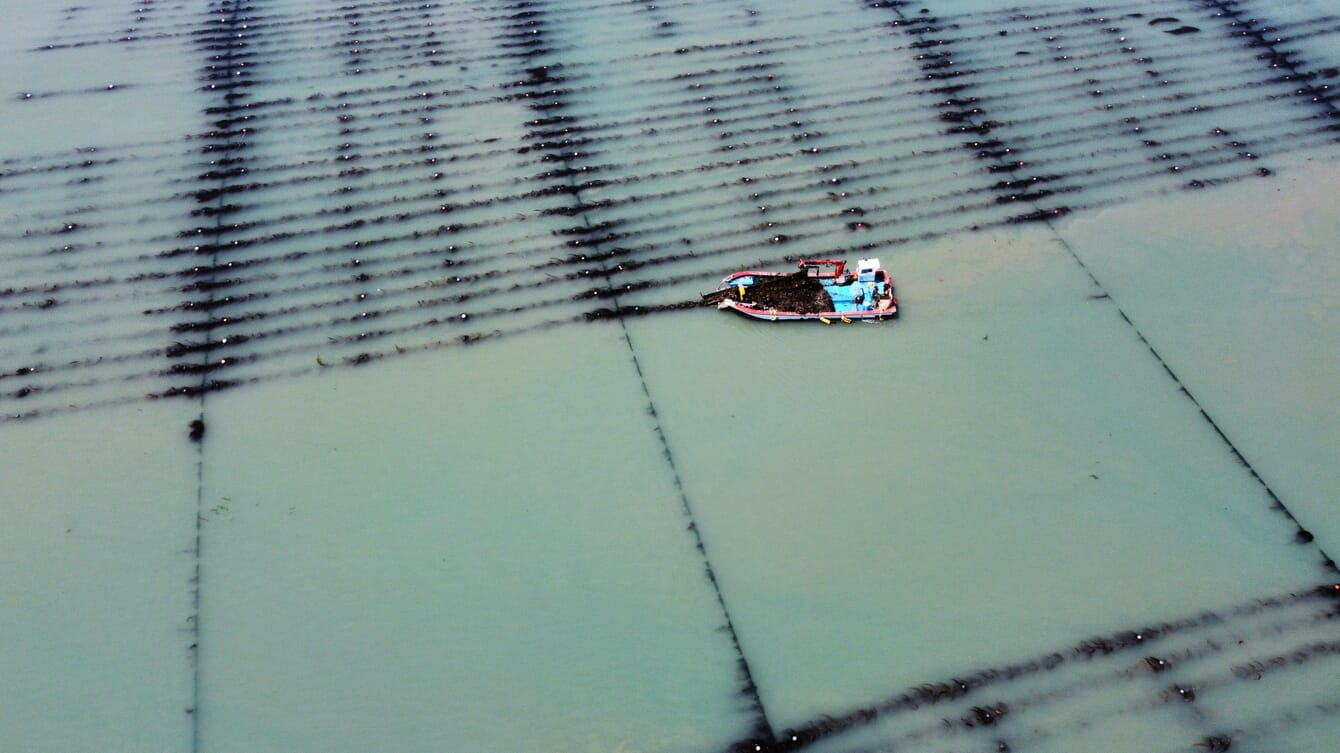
x,y
794,292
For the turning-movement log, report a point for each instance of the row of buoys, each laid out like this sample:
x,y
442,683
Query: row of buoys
x,y
1183,644
868,169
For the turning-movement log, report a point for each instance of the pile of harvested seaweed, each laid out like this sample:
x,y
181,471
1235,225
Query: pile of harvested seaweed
x,y
796,292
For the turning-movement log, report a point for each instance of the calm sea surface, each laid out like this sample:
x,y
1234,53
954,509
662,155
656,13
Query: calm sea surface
x,y
353,395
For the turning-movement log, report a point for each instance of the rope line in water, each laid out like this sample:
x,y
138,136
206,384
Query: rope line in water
x,y
766,738
256,352
1302,535
1256,27
1170,649
230,10
923,27
762,732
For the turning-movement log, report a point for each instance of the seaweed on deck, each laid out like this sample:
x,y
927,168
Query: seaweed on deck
x,y
796,292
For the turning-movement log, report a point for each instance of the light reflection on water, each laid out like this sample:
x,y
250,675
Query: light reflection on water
x,y
427,514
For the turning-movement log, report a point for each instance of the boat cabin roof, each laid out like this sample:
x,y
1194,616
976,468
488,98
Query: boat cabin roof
x,y
823,267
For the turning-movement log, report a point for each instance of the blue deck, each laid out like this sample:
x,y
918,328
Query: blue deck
x,y
858,296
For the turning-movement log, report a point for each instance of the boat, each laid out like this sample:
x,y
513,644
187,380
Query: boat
x,y
822,290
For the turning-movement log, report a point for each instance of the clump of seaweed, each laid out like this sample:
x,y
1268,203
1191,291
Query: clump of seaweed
x,y
796,292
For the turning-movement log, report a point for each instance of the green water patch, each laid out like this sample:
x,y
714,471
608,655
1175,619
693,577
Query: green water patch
x,y
97,560
411,556
1003,469
1246,313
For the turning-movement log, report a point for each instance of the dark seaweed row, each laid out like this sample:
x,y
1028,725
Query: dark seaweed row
x,y
976,120
599,254
856,217
1140,642
592,238
225,319
539,77
230,15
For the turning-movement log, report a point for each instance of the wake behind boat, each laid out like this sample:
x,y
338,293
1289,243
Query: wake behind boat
x,y
821,289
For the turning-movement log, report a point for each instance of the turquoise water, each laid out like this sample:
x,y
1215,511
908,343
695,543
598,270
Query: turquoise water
x,y
1080,496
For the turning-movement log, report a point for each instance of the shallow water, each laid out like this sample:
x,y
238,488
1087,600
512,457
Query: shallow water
x,y
1077,496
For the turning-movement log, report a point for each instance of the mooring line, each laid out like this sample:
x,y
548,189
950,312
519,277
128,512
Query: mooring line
x,y
762,727
762,735
1048,216
198,426
194,709
763,731
1302,535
